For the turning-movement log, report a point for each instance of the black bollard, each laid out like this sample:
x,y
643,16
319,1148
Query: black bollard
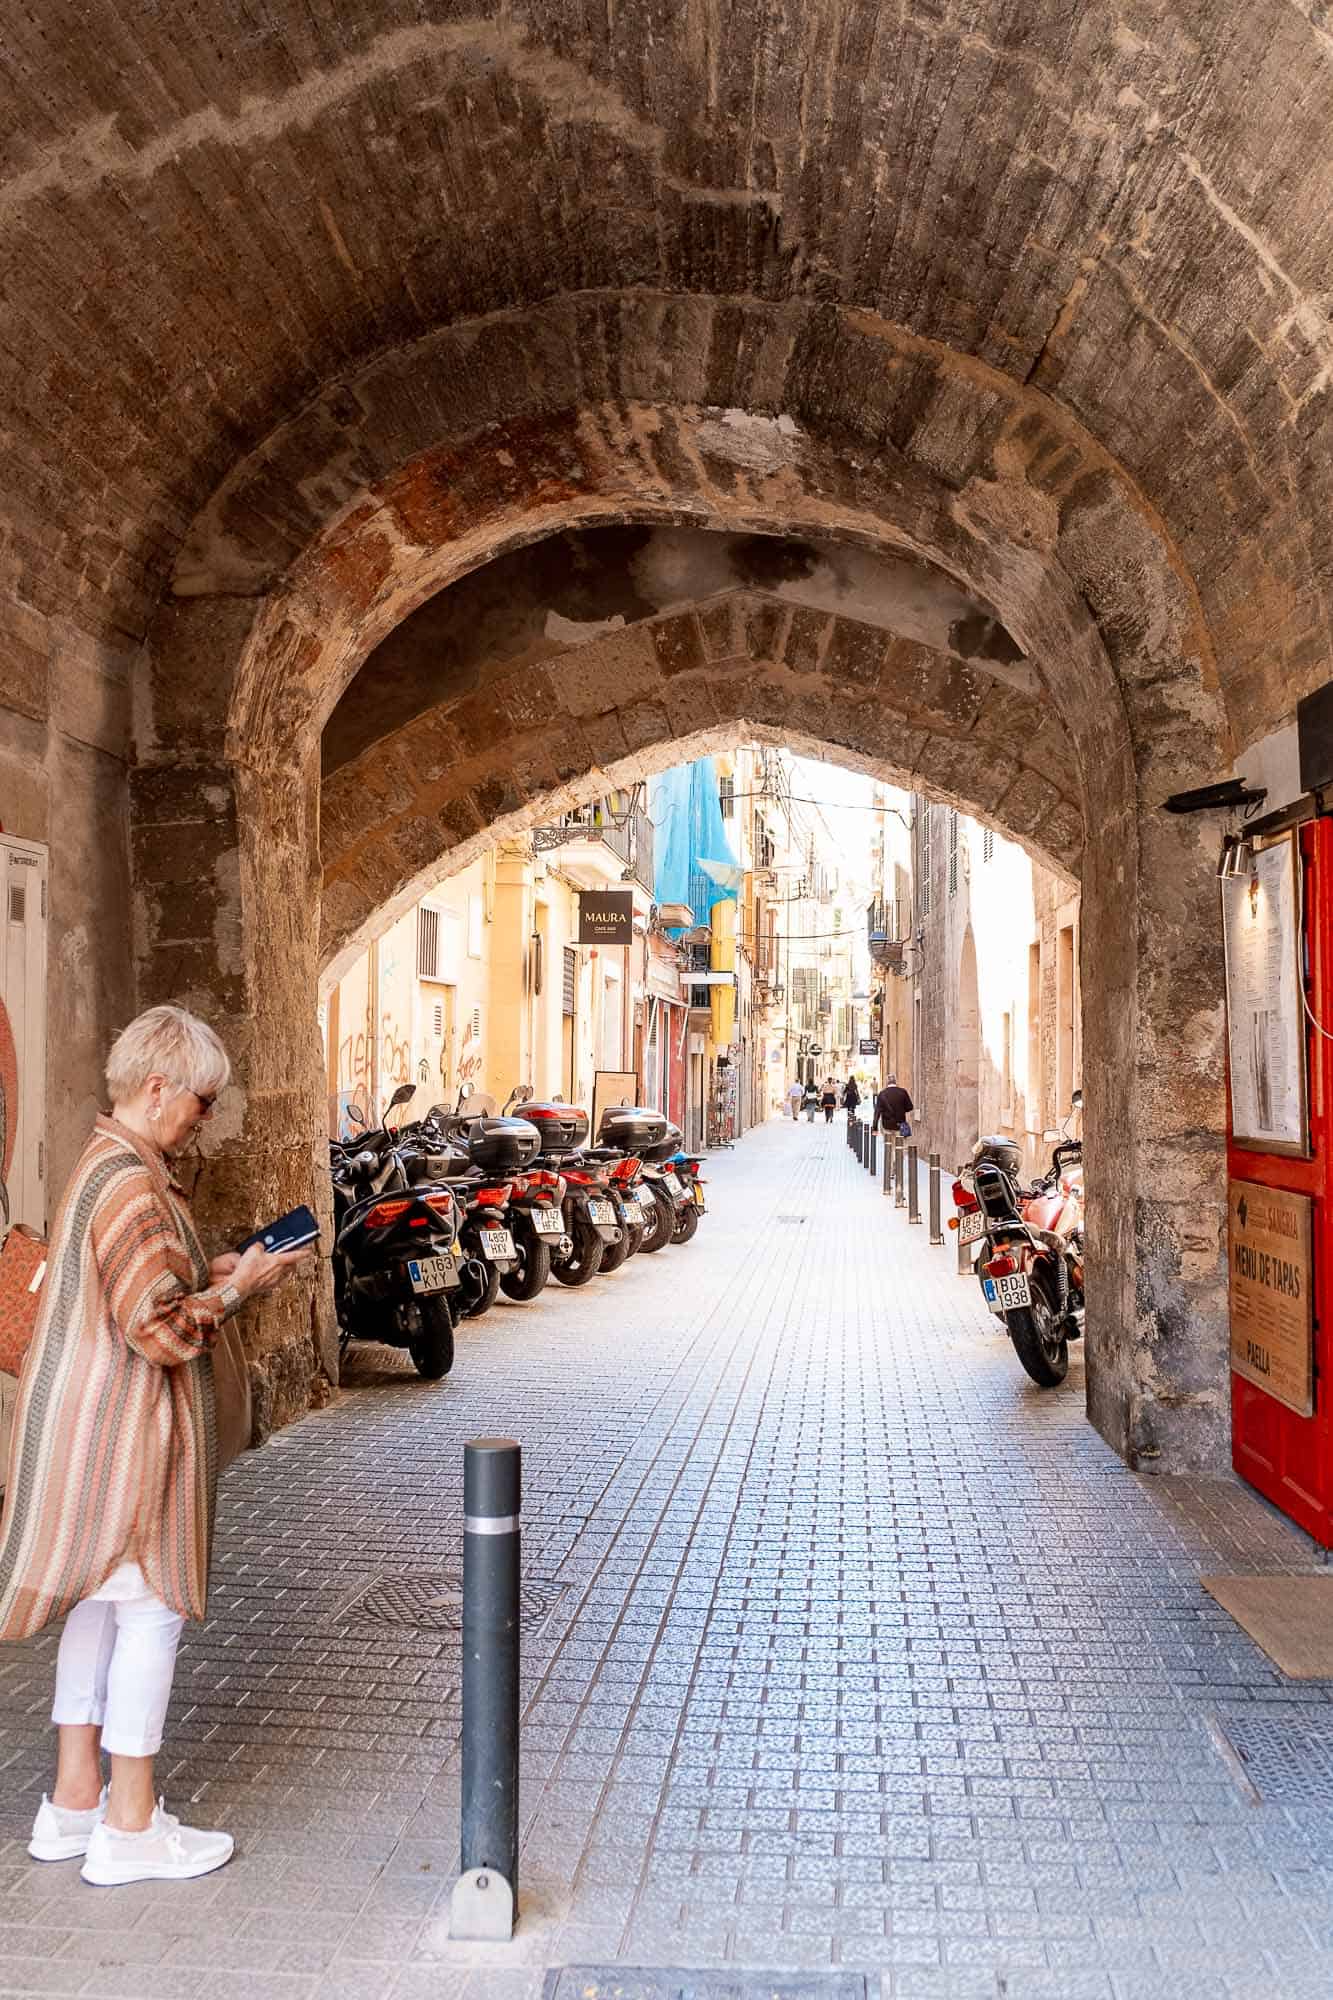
x,y
485,1897
888,1161
936,1227
860,1140
872,1148
913,1187
899,1175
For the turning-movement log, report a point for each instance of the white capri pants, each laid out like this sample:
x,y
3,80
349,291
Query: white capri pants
x,y
116,1662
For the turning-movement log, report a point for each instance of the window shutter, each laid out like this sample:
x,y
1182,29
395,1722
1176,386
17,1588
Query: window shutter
x,y
569,980
428,943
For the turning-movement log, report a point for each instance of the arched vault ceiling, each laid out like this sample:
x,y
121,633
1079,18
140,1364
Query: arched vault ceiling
x,y
209,215
559,594
537,737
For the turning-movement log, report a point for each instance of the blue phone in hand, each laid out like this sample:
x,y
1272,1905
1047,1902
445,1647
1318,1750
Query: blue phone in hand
x,y
290,1232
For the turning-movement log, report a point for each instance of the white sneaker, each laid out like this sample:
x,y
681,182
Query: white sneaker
x,y
165,1851
60,1834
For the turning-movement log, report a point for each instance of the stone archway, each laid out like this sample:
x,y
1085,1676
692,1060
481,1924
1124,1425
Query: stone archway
x,y
985,482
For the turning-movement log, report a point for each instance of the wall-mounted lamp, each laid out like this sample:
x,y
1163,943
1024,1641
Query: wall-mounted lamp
x,y
1235,858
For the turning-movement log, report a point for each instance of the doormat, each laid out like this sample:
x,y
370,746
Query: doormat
x,y
1290,1617
628,1982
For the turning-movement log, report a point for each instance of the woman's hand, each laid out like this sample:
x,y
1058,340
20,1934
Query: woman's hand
x,y
259,1270
222,1267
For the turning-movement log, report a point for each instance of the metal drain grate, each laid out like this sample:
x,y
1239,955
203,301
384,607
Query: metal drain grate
x,y
435,1603
792,1218
628,1982
1287,1763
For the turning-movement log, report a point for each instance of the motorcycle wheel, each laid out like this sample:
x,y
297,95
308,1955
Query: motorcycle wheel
x,y
658,1233
635,1238
490,1295
585,1260
687,1221
534,1268
1038,1334
432,1351
614,1254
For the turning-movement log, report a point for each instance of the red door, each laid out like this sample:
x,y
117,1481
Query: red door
x,y
1288,1457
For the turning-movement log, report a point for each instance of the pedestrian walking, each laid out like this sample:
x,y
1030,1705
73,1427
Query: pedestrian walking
x,y
811,1100
112,1479
828,1099
851,1096
892,1106
795,1092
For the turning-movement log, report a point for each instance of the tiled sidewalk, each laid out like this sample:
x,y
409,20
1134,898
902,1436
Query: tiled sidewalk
x,y
848,1651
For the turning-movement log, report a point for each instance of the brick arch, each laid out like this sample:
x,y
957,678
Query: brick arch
x,y
853,434
427,798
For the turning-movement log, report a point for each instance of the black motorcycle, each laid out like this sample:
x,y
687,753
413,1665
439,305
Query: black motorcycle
x,y
397,1264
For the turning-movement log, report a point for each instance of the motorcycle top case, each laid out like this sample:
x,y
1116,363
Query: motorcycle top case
x,y
563,1128
632,1128
502,1145
669,1144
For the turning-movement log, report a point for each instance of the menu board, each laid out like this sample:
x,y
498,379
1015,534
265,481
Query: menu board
x,y
1265,1025
1271,1286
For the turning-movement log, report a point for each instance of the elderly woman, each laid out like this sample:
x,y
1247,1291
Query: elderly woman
x,y
113,1471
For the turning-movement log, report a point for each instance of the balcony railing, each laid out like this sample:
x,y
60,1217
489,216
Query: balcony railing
x,y
628,835
886,947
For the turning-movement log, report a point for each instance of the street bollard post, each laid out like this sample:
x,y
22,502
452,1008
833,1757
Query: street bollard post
x,y
872,1152
936,1226
899,1175
856,1139
888,1161
913,1187
484,1903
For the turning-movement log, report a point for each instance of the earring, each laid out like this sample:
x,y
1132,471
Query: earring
x,y
156,1114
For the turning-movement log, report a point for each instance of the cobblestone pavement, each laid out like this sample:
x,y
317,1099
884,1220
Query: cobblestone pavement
x,y
848,1651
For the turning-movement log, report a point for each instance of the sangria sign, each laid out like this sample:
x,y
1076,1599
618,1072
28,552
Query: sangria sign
x,y
1272,1292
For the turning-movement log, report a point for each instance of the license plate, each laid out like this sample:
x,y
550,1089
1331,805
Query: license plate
x,y
699,1201
603,1212
971,1226
633,1213
497,1242
548,1222
672,1185
1003,1294
430,1274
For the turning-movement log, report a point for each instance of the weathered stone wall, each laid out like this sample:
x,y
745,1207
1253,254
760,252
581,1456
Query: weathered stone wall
x,y
64,727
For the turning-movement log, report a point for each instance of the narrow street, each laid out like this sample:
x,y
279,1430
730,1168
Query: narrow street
x,y
848,1651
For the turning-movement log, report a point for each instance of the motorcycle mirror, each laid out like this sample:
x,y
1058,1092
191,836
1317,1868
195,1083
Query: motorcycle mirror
x,y
356,1115
402,1094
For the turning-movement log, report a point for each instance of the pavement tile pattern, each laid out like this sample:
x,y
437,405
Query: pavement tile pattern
x,y
847,1653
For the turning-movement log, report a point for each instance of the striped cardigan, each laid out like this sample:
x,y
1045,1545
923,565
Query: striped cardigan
x,y
114,1449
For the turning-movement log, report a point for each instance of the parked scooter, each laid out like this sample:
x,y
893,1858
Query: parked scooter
x,y
1031,1268
688,1172
483,1161
592,1219
666,1190
396,1257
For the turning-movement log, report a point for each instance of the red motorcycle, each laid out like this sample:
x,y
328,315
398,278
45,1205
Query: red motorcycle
x,y
1031,1268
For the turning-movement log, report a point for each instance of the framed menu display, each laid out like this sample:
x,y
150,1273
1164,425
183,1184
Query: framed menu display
x,y
1265,1014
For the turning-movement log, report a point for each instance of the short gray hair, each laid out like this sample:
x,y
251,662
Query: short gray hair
x,y
166,1041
